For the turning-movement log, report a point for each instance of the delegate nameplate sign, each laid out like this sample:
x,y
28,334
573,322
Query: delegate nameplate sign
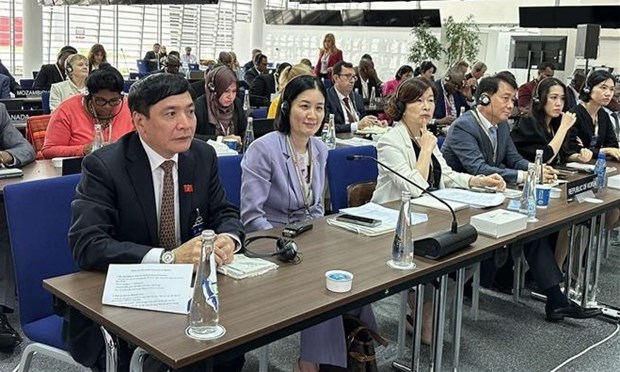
x,y
580,186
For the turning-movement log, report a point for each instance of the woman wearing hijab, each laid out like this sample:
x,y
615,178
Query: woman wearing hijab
x,y
219,113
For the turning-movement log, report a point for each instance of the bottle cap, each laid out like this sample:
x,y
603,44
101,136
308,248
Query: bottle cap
x,y
207,234
601,155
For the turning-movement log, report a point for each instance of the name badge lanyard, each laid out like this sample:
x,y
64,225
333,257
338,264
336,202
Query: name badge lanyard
x,y
305,186
225,131
488,133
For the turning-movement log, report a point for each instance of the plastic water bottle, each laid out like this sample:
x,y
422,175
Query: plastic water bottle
x,y
331,143
531,192
539,167
249,134
98,139
402,245
372,102
246,101
600,170
204,309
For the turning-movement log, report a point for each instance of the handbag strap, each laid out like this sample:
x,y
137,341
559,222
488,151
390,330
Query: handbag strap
x,y
362,326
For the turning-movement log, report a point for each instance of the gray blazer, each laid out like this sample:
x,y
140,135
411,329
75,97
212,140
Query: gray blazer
x,y
467,148
12,141
271,194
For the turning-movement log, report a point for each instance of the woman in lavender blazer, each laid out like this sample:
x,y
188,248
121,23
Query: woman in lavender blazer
x,y
282,182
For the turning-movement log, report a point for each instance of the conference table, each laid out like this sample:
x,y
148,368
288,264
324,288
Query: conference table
x,y
263,309
37,170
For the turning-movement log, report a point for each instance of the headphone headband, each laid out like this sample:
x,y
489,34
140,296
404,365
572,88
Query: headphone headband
x,y
286,249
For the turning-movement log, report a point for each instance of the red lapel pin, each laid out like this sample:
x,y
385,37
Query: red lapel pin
x,y
188,188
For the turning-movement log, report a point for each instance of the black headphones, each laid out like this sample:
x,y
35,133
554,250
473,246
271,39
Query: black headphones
x,y
286,249
484,99
258,57
284,108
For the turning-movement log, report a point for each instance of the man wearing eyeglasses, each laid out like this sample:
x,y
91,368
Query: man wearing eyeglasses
x,y
449,101
346,105
70,131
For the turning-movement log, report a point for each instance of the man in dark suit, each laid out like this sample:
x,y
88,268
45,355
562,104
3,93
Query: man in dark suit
x,y
5,71
449,100
366,80
479,142
260,67
248,66
54,72
5,87
152,58
145,198
264,85
15,151
345,104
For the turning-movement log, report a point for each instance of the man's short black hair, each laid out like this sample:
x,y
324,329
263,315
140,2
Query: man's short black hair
x,y
338,67
105,77
545,65
154,88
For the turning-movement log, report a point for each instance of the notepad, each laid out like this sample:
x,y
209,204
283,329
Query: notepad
x,y
430,202
245,267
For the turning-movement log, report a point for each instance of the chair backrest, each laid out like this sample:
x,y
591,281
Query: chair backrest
x,y
259,113
26,83
230,175
127,84
36,127
38,218
342,172
327,84
193,66
360,193
45,102
143,67
262,127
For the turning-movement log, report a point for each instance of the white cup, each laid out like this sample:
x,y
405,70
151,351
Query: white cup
x,y
338,280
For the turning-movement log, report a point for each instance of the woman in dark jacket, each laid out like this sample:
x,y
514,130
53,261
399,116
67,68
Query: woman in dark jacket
x,y
547,125
219,112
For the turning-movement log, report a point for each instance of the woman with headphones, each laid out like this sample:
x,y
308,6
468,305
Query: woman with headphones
x,y
219,112
282,182
546,125
71,129
410,149
76,67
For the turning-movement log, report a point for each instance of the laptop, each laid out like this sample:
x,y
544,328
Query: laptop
x,y
262,127
71,166
11,172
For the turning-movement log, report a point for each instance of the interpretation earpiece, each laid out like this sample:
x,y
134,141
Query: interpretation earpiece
x,y
484,99
286,249
400,107
284,108
586,88
447,78
211,87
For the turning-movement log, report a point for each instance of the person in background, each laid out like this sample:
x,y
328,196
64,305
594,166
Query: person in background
x,y
71,129
389,87
450,100
15,151
188,57
426,69
76,67
471,80
219,112
287,74
291,161
5,87
346,105
306,62
574,88
171,65
329,55
96,56
265,85
613,110
14,86
239,72
130,208
152,58
463,66
250,64
260,67
366,80
163,53
525,92
55,72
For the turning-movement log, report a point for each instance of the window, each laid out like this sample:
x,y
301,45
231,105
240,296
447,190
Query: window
x,y
11,35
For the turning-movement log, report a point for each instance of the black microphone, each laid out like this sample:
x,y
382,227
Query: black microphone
x,y
439,244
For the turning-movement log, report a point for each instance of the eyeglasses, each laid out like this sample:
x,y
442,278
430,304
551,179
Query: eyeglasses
x,y
111,102
350,77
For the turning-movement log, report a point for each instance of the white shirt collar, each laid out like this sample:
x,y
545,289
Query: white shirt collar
x,y
341,96
155,160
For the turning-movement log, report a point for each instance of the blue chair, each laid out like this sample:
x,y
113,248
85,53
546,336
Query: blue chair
x,y
26,83
38,218
230,175
342,172
45,102
259,113
127,85
327,83
143,67
193,67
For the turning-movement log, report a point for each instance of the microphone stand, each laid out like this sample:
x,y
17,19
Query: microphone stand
x,y
125,59
439,244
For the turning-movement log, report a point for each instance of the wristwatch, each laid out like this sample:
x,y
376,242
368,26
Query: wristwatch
x,y
167,257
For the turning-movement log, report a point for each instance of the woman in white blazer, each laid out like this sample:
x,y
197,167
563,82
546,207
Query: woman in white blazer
x,y
76,66
411,150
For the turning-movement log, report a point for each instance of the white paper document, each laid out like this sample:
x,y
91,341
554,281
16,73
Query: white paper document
x,y
355,141
587,167
388,217
245,267
476,199
155,287
430,202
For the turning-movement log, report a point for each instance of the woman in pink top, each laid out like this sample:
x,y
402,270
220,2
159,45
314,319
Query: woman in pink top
x,y
403,73
71,129
329,56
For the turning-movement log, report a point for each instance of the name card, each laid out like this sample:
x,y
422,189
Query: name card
x,y
22,115
574,188
29,92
